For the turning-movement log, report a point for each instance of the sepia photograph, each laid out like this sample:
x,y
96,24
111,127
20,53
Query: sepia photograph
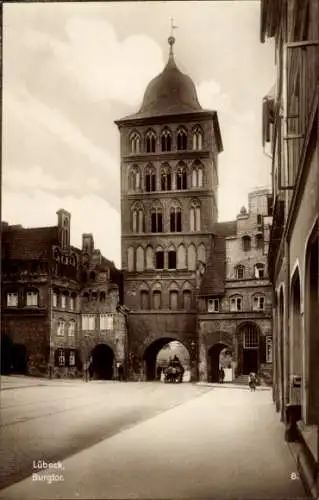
x,y
159,250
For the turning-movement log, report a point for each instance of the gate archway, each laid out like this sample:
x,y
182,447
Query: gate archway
x,y
19,359
150,357
102,362
214,360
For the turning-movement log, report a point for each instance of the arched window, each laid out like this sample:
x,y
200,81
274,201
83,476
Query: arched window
x,y
102,296
134,178
135,143
150,179
173,299
181,176
240,272
197,138
166,140
181,139
61,327
130,259
171,258
191,257
246,240
195,216
187,296
250,337
71,328
259,271
157,218
55,295
139,259
144,300
150,141
138,225
159,258
258,302
166,178
176,218
259,241
72,301
149,258
197,174
201,253
156,299
236,303
181,257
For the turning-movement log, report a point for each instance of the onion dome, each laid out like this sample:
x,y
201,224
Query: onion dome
x,y
170,92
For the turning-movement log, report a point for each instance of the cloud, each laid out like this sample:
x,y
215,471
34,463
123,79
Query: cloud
x,y
39,209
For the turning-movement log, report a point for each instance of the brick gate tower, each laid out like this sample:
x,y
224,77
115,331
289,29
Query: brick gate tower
x,y
169,182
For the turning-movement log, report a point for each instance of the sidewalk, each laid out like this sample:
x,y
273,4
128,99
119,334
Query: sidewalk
x,y
232,385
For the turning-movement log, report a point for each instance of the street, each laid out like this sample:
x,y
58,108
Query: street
x,y
144,440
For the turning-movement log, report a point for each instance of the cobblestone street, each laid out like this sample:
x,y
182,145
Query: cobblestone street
x,y
144,440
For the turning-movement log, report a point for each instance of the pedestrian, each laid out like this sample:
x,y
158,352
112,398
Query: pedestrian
x,y
159,372
222,375
252,381
50,370
121,372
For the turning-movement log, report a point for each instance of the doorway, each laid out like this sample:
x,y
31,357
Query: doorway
x,y
250,361
102,362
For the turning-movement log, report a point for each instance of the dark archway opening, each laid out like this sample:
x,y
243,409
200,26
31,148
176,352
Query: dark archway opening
x,y
250,342
312,317
102,362
19,359
6,355
214,360
158,354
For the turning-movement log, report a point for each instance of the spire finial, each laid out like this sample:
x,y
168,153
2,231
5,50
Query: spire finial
x,y
171,39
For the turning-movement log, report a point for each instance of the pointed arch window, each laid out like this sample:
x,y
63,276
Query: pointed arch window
x,y
157,219
166,140
138,224
149,258
166,178
173,300
172,258
192,257
150,179
181,176
259,302
181,139
139,259
197,174
134,178
159,258
150,141
181,257
195,216
176,219
197,138
157,299
144,299
135,143
130,259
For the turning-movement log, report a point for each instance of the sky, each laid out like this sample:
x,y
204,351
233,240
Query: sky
x,y
71,69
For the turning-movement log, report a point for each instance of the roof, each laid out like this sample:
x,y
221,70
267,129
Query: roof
x,y
170,92
213,282
28,243
225,228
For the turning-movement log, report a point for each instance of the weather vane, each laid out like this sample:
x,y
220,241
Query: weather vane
x,y
173,27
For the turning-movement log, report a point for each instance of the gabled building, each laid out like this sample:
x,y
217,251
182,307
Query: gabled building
x,y
60,304
290,119
235,295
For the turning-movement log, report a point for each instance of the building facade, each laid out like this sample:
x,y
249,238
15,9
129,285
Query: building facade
x,y
290,118
169,181
235,295
60,305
